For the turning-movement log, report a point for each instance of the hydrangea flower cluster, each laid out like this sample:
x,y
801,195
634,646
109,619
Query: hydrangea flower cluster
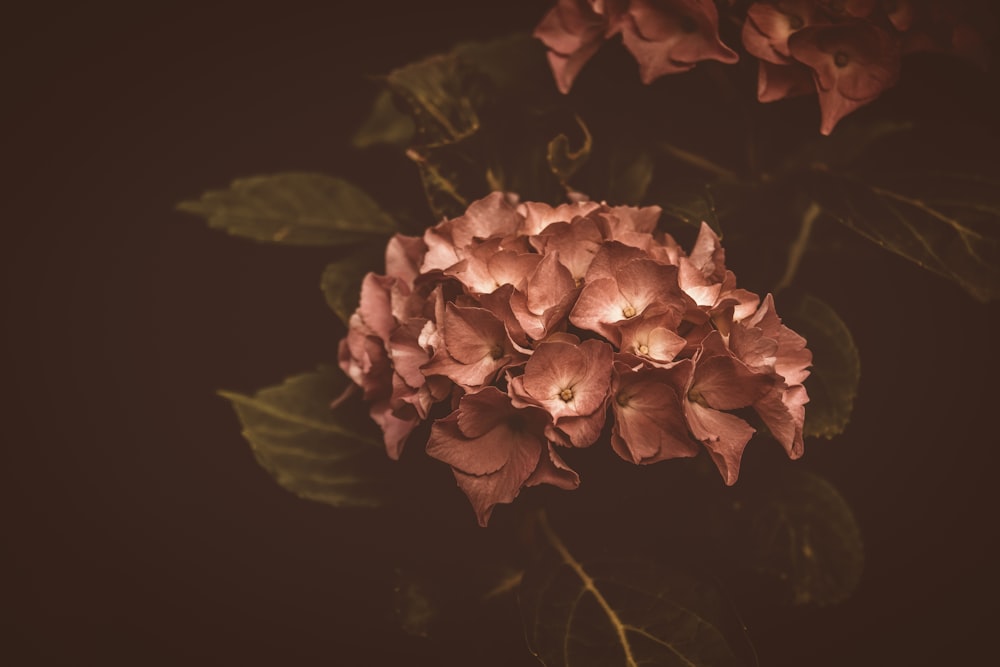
x,y
849,51
665,36
544,328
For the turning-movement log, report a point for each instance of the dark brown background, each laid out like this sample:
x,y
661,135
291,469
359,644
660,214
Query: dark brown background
x,y
138,529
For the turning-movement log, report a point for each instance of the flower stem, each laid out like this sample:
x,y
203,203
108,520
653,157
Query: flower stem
x,y
589,586
700,162
798,247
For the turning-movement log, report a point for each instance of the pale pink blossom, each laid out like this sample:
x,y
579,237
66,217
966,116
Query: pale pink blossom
x,y
495,450
648,405
539,324
664,36
721,383
672,36
852,63
570,380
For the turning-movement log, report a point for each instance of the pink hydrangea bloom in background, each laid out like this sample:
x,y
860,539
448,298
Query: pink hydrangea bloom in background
x,y
522,329
664,36
850,51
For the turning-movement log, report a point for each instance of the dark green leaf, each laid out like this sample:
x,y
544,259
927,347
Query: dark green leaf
x,y
331,456
511,66
692,204
341,281
432,91
450,177
946,222
385,125
836,368
294,209
630,175
607,611
798,534
850,143
565,161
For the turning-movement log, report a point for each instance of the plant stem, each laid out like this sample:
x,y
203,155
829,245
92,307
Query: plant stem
x,y
798,247
700,162
589,586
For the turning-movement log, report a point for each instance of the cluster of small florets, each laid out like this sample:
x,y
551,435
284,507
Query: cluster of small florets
x,y
846,51
850,51
544,328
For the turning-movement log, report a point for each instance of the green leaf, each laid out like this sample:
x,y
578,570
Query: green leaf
x,y
448,175
798,534
331,456
836,370
341,282
692,204
607,611
565,161
948,223
508,67
301,209
432,91
385,125
630,173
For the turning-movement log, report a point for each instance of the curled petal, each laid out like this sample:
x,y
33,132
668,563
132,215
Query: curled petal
x,y
777,82
852,63
649,414
553,470
573,32
672,36
725,436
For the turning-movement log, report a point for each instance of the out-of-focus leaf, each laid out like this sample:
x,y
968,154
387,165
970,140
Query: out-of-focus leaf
x,y
432,91
506,67
948,223
836,369
630,173
331,456
851,142
473,109
341,281
416,603
449,176
692,204
294,209
565,161
797,533
607,611
385,125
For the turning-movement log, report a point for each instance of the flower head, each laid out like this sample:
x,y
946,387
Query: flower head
x,y
664,36
543,324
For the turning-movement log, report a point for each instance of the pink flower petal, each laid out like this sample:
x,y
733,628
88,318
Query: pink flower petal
x,y
553,470
778,82
573,32
783,411
727,384
853,63
725,436
672,36
649,415
569,380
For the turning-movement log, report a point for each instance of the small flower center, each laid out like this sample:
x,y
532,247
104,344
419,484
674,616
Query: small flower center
x,y
695,397
643,349
840,59
566,395
795,22
622,399
628,311
496,352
